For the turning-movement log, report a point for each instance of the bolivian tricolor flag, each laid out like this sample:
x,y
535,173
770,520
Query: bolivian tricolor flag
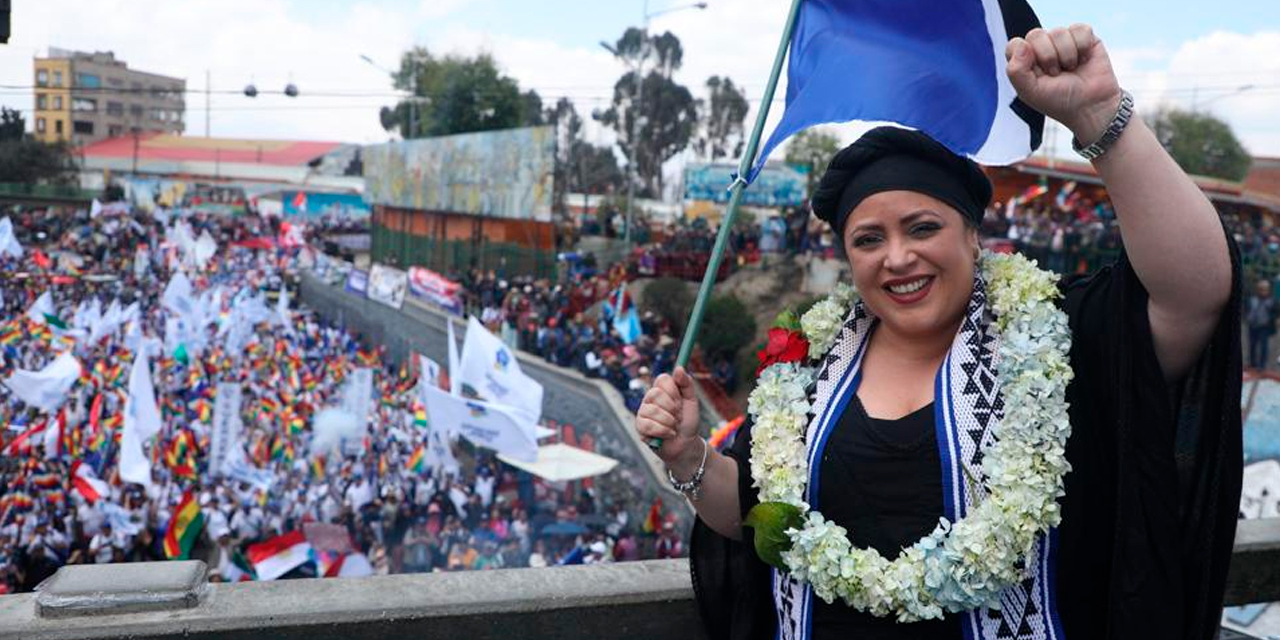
x,y
418,461
295,423
10,335
419,415
184,528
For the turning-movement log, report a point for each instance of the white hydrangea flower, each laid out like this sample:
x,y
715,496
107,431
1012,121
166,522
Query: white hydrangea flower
x,y
958,566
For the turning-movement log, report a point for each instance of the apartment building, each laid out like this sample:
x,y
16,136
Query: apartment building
x,y
86,97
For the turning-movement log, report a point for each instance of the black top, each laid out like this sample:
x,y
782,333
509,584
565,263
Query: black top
x,y
882,481
1148,519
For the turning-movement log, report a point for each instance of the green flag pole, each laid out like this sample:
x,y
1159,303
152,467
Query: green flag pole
x,y
735,198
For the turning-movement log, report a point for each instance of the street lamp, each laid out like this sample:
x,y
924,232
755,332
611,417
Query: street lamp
x,y
637,68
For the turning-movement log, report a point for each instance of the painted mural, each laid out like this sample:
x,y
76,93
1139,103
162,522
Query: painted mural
x,y
338,206
776,186
504,174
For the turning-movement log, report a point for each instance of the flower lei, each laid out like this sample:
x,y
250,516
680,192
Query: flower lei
x,y
959,566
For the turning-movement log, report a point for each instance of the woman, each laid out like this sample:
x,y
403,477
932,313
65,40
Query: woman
x,y
908,394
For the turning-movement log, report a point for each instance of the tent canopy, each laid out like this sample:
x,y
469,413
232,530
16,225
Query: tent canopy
x,y
561,462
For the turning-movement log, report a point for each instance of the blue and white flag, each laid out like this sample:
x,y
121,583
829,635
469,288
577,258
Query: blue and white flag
x,y
494,426
933,65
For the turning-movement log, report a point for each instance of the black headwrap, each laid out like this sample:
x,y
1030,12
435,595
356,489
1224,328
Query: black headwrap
x,y
894,159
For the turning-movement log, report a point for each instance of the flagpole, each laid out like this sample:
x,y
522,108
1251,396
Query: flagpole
x,y
735,191
735,198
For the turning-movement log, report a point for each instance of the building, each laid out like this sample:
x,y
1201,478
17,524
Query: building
x,y
86,97
1264,176
174,170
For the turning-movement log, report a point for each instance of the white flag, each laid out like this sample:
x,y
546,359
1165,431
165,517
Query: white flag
x,y
357,397
455,369
428,371
439,453
47,388
486,424
42,308
177,295
141,422
205,248
491,369
226,428
9,244
282,310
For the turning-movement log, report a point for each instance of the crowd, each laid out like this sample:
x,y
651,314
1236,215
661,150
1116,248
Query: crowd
x,y
401,509
570,323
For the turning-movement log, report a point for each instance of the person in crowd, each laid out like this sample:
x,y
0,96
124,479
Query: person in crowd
x,y
1261,312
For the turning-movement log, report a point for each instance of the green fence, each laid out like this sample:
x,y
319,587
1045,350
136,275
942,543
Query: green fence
x,y
45,191
505,258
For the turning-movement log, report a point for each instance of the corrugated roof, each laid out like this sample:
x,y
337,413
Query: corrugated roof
x,y
164,146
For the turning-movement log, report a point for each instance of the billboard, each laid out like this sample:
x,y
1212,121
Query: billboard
x,y
504,174
387,285
342,206
776,186
431,287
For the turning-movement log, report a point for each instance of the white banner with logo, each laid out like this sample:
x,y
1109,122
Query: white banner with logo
x,y
226,428
387,285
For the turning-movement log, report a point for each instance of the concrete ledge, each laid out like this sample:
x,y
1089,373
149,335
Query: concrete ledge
x,y
629,600
98,589
1254,575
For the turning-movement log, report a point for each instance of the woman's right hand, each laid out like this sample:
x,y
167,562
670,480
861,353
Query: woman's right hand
x,y
670,412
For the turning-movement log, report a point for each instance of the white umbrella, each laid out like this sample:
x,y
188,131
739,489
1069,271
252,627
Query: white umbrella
x,y
561,462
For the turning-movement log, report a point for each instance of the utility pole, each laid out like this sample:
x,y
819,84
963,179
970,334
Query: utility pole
x,y
207,91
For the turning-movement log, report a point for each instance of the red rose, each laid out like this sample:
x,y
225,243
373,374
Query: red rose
x,y
783,346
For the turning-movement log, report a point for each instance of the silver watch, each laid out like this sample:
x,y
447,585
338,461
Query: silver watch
x,y
1112,133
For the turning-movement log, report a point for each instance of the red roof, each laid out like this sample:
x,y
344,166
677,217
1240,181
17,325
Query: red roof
x,y
164,146
1070,169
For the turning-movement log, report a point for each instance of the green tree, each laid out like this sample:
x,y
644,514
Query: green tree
x,y
670,299
457,94
12,125
663,115
727,326
811,150
596,169
25,160
721,133
1201,143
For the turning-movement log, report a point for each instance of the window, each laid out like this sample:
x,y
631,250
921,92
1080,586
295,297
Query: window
x,y
42,101
84,104
57,127
57,78
115,130
57,103
115,109
40,125
115,82
42,77
88,81
135,110
82,126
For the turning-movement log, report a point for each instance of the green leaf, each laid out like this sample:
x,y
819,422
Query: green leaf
x,y
787,320
771,520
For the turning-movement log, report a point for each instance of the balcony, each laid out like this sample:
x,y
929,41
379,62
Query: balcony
x,y
650,599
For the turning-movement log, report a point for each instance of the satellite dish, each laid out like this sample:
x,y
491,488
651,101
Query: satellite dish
x,y
250,90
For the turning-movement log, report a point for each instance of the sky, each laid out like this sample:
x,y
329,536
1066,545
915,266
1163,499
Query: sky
x,y
1166,52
